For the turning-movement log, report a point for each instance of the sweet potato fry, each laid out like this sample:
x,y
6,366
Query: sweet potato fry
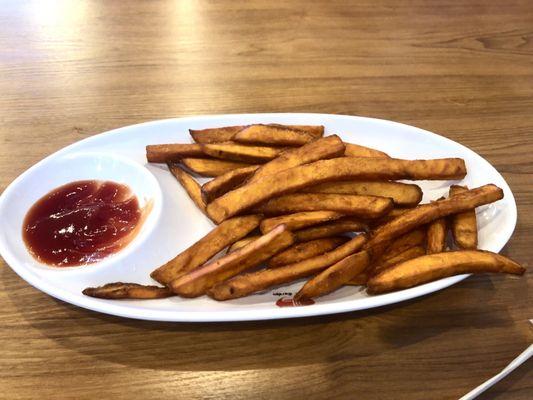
x,y
162,153
121,290
270,186
239,152
432,267
426,213
343,225
196,282
436,236
224,183
272,136
328,147
190,185
302,251
222,236
299,220
416,237
395,212
356,150
407,254
316,131
334,277
464,225
246,284
402,194
358,280
215,135
209,167
243,242
348,204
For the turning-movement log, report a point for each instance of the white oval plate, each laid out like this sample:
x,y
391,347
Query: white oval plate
x,y
181,223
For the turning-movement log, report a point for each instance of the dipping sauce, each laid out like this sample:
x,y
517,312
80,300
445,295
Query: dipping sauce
x,y
289,302
81,223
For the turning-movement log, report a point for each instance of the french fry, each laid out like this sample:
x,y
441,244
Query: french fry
x,y
464,225
343,225
432,267
426,213
358,280
355,150
272,136
196,282
302,251
407,254
209,167
246,284
316,131
190,185
270,186
241,153
395,212
224,183
327,147
243,242
334,277
402,194
436,236
416,237
162,153
348,204
222,236
299,220
121,290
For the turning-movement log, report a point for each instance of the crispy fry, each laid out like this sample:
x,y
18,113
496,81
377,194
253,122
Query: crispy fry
x,y
432,267
240,152
349,204
224,183
162,153
426,213
246,284
407,254
416,237
315,130
343,225
272,136
403,194
299,220
328,147
356,150
243,242
317,172
121,290
436,236
358,280
208,167
395,212
190,185
464,225
302,251
196,282
334,277
223,235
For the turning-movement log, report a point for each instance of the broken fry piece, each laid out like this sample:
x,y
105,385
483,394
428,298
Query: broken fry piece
x,y
464,225
210,167
241,153
163,153
436,236
302,251
121,290
272,135
190,185
299,220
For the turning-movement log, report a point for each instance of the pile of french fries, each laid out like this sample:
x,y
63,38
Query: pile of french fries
x,y
290,203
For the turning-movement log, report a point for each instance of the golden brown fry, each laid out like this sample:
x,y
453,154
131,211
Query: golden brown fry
x,y
334,277
220,237
162,153
426,213
432,267
208,167
239,152
343,225
349,204
464,225
327,147
315,130
358,280
407,254
272,136
302,251
121,290
196,282
299,220
224,183
190,185
246,284
403,194
395,212
215,135
416,237
270,186
356,150
241,243
436,236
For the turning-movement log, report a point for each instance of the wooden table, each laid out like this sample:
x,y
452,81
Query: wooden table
x,y
70,69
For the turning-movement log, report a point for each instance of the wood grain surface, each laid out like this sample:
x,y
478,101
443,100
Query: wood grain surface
x,y
72,69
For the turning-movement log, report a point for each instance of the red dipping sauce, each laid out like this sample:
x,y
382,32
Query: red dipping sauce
x,y
81,223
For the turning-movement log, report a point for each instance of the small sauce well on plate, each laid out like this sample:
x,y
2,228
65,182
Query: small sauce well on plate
x,y
81,222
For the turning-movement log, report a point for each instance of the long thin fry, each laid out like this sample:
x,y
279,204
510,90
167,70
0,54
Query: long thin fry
x,y
241,153
209,167
121,290
241,243
190,185
464,225
407,254
299,220
162,153
342,225
302,251
272,136
356,150
224,183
